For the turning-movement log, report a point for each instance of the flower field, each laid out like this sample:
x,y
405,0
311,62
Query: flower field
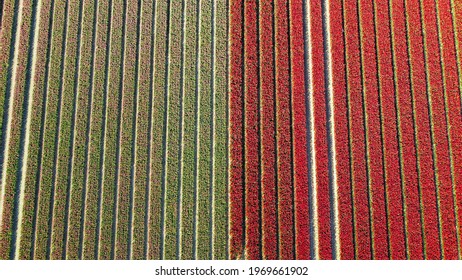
x,y
231,129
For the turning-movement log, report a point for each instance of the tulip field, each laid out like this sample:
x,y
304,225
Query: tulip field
x,y
231,129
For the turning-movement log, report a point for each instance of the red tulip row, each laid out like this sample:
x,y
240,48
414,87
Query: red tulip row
x,y
358,164
252,132
341,135
406,138
456,11
417,81
283,98
391,156
439,125
299,133
452,94
456,7
372,110
269,201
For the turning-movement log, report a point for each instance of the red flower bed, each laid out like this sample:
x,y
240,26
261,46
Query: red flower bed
x,y
236,141
452,103
302,230
371,101
406,138
440,129
252,133
394,193
283,136
341,129
357,139
358,102
422,120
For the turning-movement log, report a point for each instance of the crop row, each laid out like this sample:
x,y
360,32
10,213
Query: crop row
x,y
220,132
44,202
95,145
456,7
174,107
374,144
111,133
7,43
290,94
35,127
452,104
439,128
189,167
345,232
408,160
80,132
417,78
236,130
302,231
13,153
142,144
268,133
126,130
63,161
157,132
265,77
189,142
283,131
204,126
391,159
271,129
252,144
357,152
